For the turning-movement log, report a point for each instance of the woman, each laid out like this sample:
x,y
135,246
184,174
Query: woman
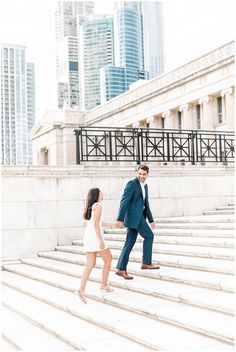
x,y
94,242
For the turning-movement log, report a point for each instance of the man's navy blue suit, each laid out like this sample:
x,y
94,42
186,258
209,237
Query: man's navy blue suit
x,y
133,213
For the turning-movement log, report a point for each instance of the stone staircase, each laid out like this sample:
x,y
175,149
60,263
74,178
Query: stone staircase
x,y
187,305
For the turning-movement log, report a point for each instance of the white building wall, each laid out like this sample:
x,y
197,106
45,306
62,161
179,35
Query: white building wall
x,y
43,206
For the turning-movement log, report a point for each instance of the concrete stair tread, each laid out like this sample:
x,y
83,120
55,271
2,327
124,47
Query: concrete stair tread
x,y
183,240
212,299
229,207
81,334
218,212
123,321
25,335
208,233
219,265
195,277
198,225
211,252
7,346
215,218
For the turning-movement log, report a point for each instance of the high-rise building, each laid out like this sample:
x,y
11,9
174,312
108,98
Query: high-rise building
x,y
30,104
95,51
153,37
129,53
68,16
17,105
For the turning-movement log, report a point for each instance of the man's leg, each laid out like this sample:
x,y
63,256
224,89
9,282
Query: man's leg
x,y
146,232
129,243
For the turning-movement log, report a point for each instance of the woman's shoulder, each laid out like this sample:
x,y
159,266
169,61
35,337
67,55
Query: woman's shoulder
x,y
97,204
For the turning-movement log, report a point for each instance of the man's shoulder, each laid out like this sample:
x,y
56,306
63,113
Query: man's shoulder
x,y
132,182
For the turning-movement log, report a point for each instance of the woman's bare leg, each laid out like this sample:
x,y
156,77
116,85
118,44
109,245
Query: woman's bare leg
x,y
107,258
91,262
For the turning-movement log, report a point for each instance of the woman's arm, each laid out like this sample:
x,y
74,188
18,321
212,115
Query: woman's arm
x,y
97,217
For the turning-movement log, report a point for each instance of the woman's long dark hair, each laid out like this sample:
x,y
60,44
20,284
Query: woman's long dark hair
x,y
92,198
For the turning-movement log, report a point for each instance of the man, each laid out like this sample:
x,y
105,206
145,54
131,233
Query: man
x,y
134,208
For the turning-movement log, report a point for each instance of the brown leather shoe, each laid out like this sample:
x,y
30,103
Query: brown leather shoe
x,y
124,274
150,266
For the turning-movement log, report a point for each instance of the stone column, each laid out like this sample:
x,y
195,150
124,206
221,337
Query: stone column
x,y
136,124
207,113
228,108
187,116
167,118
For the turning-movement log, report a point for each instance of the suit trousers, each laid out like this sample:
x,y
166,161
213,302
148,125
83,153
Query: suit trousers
x,y
145,231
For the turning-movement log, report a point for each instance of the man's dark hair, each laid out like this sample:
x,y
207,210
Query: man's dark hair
x,y
144,167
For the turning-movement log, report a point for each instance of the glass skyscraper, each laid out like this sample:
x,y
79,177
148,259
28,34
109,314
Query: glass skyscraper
x,y
153,37
96,50
17,105
129,63
139,47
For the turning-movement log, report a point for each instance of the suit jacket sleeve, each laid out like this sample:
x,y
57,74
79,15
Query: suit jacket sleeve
x,y
125,201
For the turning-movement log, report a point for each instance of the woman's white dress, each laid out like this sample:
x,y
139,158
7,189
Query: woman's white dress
x,y
91,243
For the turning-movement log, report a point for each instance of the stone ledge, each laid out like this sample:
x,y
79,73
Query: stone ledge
x,y
114,170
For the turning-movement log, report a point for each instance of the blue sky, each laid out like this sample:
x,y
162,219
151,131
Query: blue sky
x,y
192,28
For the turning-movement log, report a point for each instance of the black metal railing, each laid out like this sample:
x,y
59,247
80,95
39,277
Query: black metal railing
x,y
153,145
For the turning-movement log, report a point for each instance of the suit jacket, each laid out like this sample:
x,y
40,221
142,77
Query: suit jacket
x,y
132,206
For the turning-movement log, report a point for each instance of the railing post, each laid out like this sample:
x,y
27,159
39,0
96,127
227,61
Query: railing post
x,y
192,136
139,134
220,147
77,135
168,146
110,144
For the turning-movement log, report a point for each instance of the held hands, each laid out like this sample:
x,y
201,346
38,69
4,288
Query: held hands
x,y
153,225
119,224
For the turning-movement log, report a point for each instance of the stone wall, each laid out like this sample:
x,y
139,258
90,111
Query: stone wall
x,y
43,206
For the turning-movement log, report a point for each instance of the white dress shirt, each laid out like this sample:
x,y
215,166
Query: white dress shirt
x,y
142,184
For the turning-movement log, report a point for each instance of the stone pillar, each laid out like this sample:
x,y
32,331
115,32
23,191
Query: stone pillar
x,y
187,116
43,156
167,118
136,124
207,113
228,108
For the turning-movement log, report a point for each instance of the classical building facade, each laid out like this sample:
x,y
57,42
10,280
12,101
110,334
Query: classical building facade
x,y
198,95
53,137
195,96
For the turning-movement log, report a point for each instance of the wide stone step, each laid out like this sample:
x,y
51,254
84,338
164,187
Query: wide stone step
x,y
192,277
200,225
8,346
178,240
23,334
183,250
79,334
219,212
201,297
206,264
229,207
215,218
135,312
206,233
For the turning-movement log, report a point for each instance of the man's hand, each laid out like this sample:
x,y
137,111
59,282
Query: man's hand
x,y
153,225
119,224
